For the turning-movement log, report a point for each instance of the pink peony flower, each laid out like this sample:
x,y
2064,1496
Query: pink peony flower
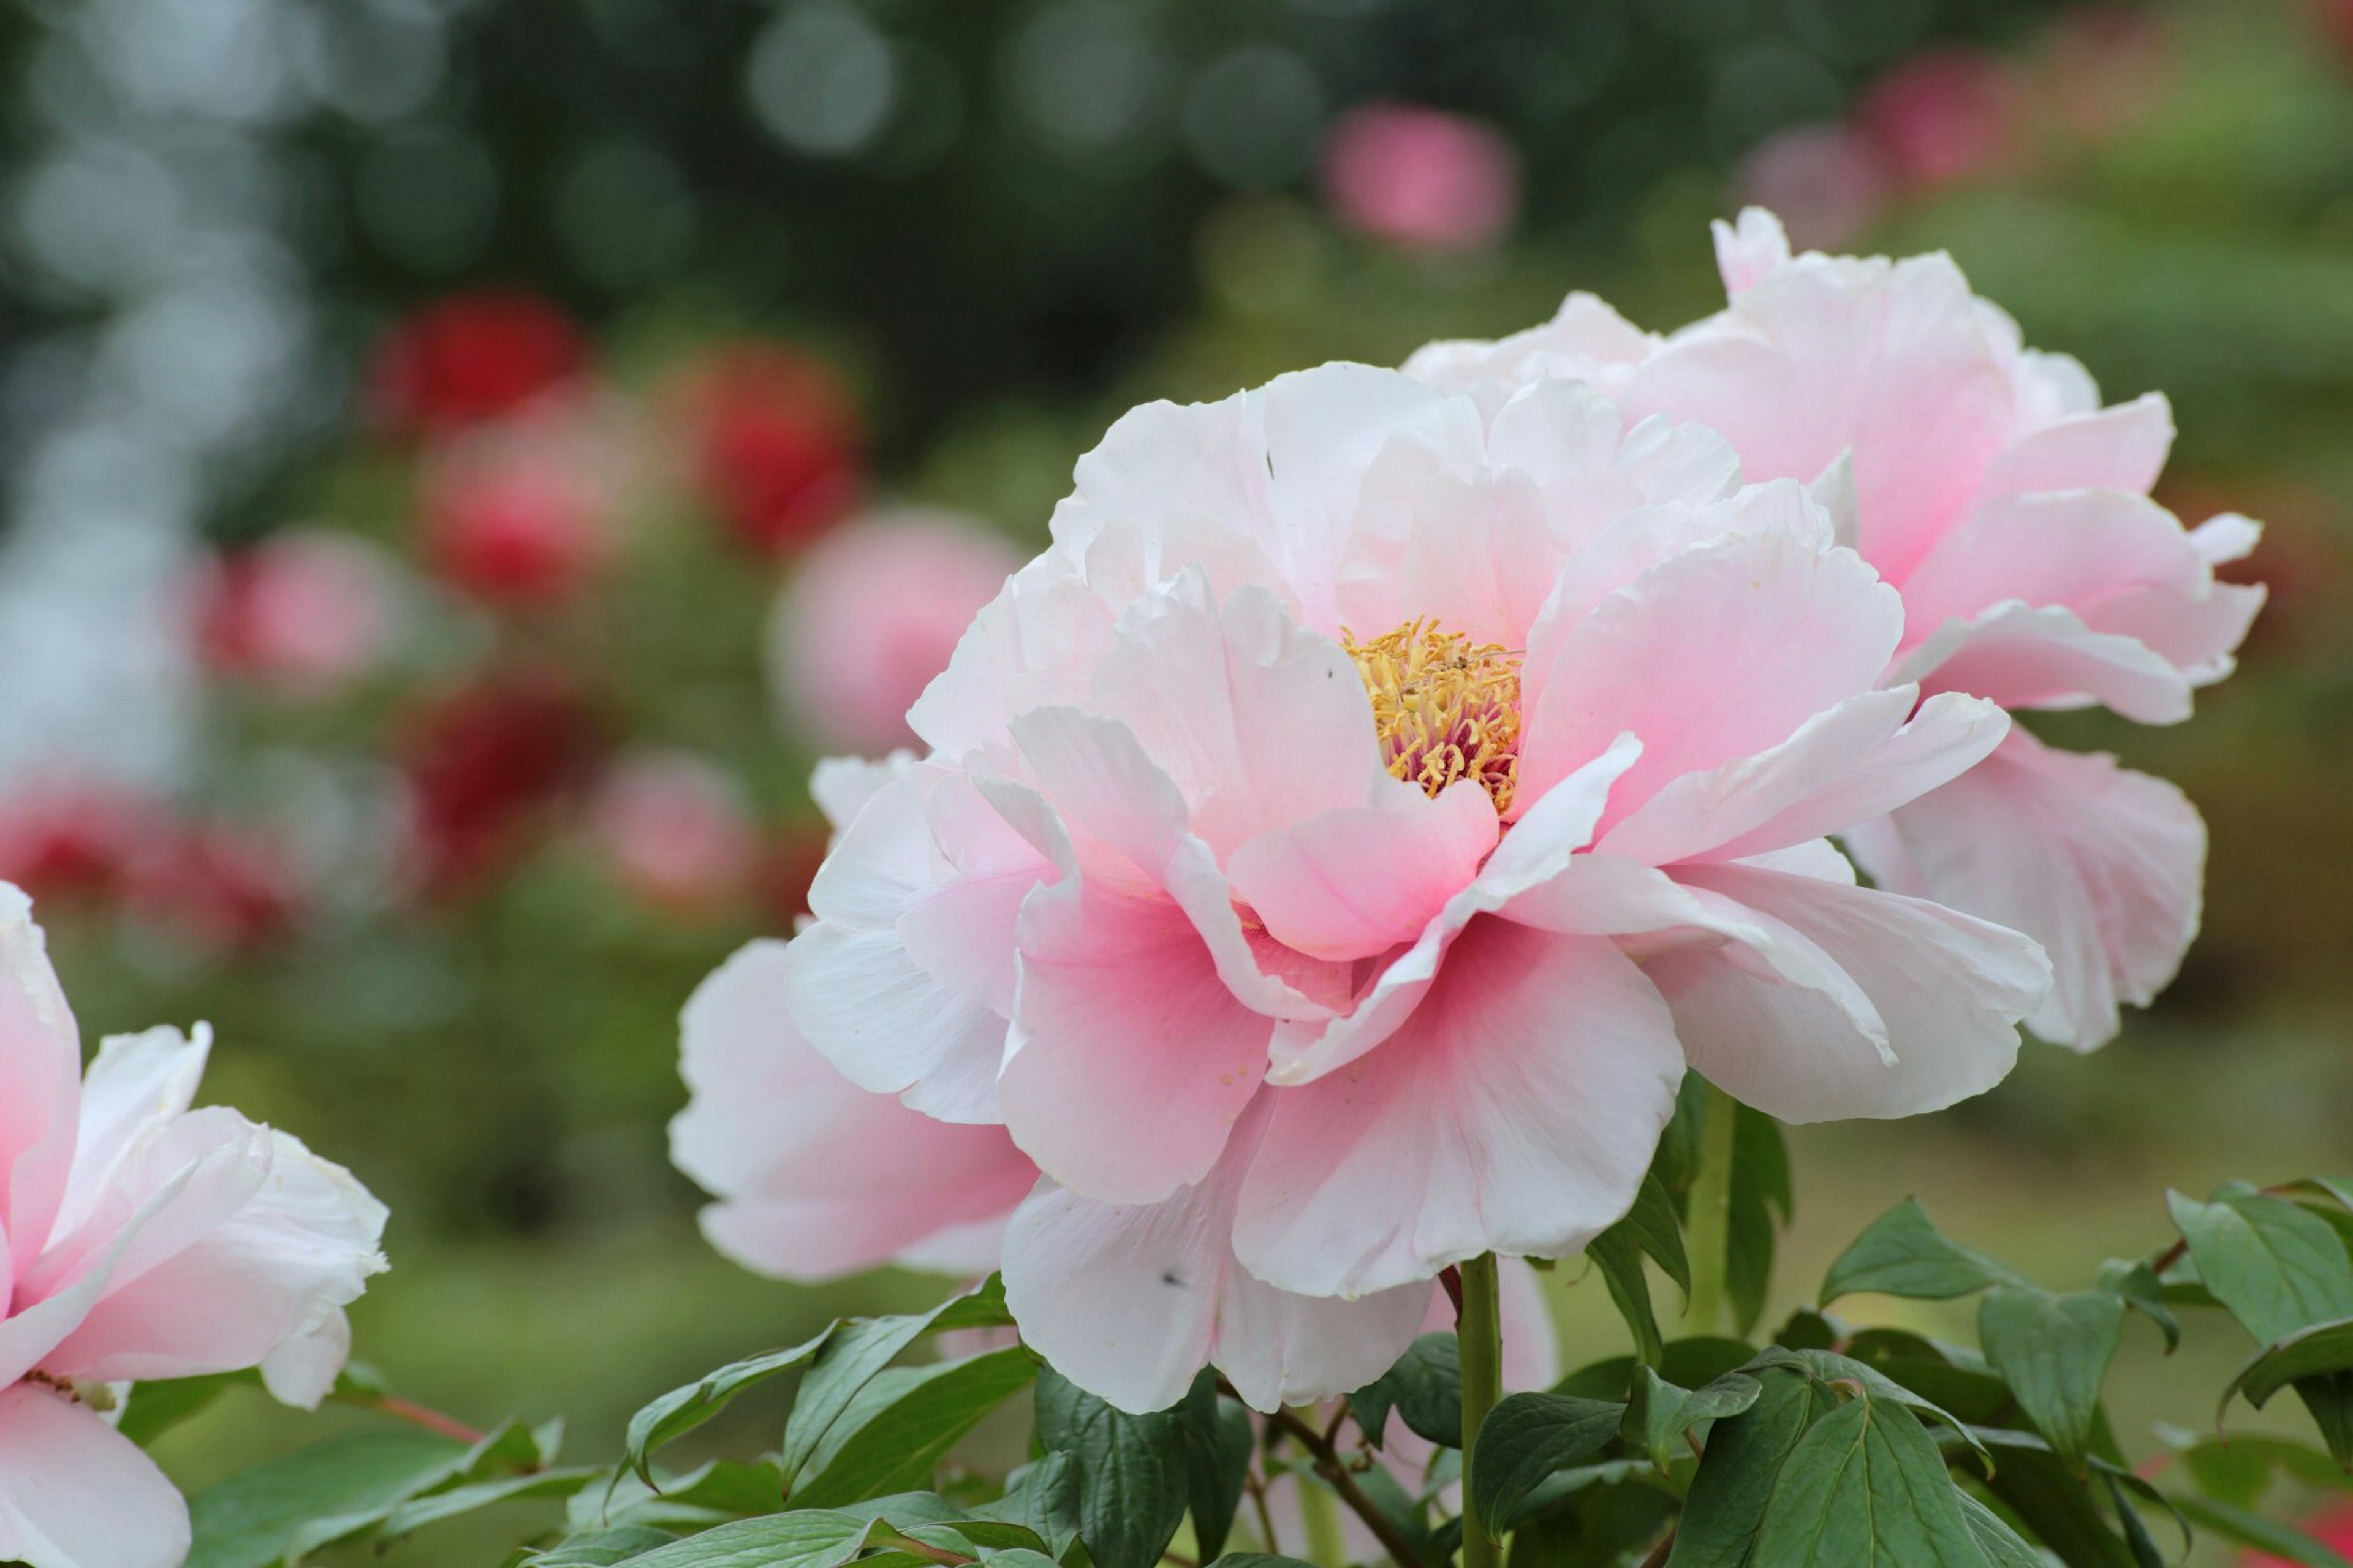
x,y
1984,482
302,613
677,831
1334,848
472,358
1421,178
872,616
141,1239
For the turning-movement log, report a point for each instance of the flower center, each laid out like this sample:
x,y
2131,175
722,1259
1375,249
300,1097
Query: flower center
x,y
1446,708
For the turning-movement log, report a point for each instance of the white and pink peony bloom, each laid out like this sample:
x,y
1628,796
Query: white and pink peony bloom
x,y
1334,849
1986,484
141,1239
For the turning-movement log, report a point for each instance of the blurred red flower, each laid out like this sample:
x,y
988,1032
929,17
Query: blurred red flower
x,y
1944,115
67,838
513,527
301,611
471,358
224,889
1420,177
775,443
483,762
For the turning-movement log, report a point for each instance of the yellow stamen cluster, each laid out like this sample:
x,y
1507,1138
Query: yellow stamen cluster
x,y
1446,708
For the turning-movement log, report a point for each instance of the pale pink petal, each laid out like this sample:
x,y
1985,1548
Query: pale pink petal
x,y
1130,1058
1351,884
790,1147
862,1000
136,1085
2118,448
75,1493
2045,657
2102,865
1543,845
1130,1302
1846,765
1718,652
1516,1112
1750,249
1586,340
40,1084
843,785
1949,989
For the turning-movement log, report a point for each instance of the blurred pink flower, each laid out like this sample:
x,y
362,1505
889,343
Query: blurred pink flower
x,y
518,522
1421,178
472,358
2034,571
676,830
1187,854
1944,115
773,443
872,615
302,613
2333,1527
141,1239
1828,183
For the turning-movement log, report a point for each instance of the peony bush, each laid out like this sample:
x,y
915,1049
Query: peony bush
x,y
1411,828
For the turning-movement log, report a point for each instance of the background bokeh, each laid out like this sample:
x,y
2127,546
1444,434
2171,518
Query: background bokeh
x,y
463,461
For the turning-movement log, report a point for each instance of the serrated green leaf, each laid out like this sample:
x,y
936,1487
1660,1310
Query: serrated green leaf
x,y
316,1495
2053,1352
892,1434
1132,1476
2277,1267
2265,1534
1901,1253
1865,1486
1526,1437
854,1353
1425,1387
1219,1442
684,1408
1660,1412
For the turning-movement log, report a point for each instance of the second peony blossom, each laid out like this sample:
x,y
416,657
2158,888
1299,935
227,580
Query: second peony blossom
x,y
1332,853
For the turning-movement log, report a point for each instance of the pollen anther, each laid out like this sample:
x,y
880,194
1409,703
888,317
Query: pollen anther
x,y
1446,708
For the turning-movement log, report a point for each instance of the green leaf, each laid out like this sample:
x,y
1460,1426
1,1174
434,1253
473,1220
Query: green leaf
x,y
1834,1368
1807,1329
2053,1351
1218,1441
812,1538
600,1548
1724,1510
1258,1559
892,1441
2329,1399
151,1409
681,1410
1956,1378
1043,1499
854,1353
1865,1486
1904,1254
2035,1484
1660,1412
1526,1437
1760,1192
1133,1485
1651,1225
2003,1547
1618,1260
712,1494
417,1512
1692,1363
2255,1530
2309,1353
1425,1387
2135,1285
2277,1267
316,1495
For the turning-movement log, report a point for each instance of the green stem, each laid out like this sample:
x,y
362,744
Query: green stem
x,y
1479,1329
1319,1511
1708,1228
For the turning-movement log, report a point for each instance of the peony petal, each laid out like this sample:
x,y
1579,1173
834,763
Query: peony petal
x,y
75,1493
1351,884
40,1085
1516,1112
137,1084
1846,765
1130,1302
1130,1058
862,1001
2024,657
1718,652
816,1177
1949,988
2102,865
2119,448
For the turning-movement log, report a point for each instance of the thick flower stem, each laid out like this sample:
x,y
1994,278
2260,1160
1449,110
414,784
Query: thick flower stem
x,y
1708,1226
1479,1329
